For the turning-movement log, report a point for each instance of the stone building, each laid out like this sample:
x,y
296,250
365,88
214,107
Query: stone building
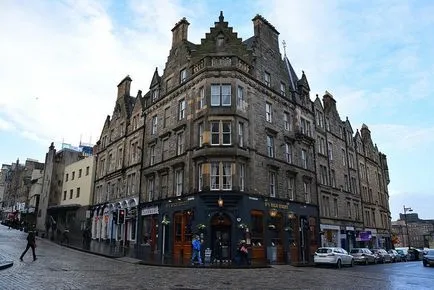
x,y
419,234
52,182
5,174
117,173
374,179
229,146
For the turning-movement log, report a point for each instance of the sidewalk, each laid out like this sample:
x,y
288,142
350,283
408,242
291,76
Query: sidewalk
x,y
4,264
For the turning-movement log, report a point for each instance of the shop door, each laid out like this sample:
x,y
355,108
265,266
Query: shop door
x,y
221,238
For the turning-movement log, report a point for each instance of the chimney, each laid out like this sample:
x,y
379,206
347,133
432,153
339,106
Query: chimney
x,y
265,31
180,32
328,101
124,87
365,132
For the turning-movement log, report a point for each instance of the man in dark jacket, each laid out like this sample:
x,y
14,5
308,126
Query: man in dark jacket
x,y
31,243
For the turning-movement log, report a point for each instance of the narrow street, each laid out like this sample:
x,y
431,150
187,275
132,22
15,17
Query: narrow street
x,y
58,267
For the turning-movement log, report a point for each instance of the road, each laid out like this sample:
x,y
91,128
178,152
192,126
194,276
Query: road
x,y
58,267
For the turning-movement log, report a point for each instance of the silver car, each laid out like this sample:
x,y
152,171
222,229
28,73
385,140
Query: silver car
x,y
363,256
335,256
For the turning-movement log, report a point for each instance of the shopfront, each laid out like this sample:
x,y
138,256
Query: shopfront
x,y
275,231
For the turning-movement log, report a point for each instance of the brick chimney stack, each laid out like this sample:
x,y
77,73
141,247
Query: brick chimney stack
x,y
180,32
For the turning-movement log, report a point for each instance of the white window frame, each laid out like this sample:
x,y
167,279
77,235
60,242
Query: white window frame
x,y
221,133
270,146
183,76
330,150
291,187
201,97
268,112
240,97
154,124
344,157
267,79
166,117
241,134
200,177
282,89
288,153
223,179
151,188
307,192
304,158
181,109
286,121
179,181
200,132
242,176
222,95
272,183
152,155
180,143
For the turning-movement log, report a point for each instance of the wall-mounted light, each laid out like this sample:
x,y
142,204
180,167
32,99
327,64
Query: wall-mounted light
x,y
220,201
291,215
273,212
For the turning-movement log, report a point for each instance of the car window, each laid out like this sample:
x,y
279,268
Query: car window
x,y
323,250
344,251
337,250
355,251
430,252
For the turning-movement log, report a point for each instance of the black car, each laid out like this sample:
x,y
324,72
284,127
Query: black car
x,y
428,258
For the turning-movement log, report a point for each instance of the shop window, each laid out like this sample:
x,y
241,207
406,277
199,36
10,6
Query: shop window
x,y
276,224
257,228
150,231
183,226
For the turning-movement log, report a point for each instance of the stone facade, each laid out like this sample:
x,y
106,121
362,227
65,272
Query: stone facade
x,y
118,162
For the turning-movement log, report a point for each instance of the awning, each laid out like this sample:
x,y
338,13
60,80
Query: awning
x,y
63,207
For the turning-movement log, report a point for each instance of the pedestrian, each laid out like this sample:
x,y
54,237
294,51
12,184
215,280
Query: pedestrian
x,y
196,250
244,253
65,237
31,243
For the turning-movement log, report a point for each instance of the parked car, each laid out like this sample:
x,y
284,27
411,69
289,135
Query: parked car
x,y
333,256
363,256
403,253
428,258
415,254
396,257
382,255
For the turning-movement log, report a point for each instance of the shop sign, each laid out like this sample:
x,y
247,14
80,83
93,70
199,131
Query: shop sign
x,y
364,236
177,204
276,205
150,210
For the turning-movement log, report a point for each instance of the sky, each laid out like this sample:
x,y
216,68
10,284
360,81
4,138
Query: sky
x,y
60,63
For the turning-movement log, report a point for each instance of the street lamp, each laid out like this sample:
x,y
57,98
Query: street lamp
x,y
407,209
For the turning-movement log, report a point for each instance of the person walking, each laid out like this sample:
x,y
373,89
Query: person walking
x,y
31,243
196,250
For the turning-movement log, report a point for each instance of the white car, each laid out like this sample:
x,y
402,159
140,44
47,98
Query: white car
x,y
333,256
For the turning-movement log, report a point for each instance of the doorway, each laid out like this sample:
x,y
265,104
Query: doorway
x,y
221,226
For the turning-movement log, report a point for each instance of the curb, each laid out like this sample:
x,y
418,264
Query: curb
x,y
90,252
6,264
204,266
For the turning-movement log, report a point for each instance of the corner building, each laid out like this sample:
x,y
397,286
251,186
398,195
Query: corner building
x,y
229,151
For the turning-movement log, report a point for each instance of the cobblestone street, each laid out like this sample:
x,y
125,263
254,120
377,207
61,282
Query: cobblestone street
x,y
58,267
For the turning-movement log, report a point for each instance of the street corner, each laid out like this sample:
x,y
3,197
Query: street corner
x,y
6,264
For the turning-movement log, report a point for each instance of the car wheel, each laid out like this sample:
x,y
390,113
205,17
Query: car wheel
x,y
424,264
338,264
366,262
352,263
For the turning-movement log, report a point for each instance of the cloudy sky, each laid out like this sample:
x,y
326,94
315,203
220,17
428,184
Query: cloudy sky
x,y
60,62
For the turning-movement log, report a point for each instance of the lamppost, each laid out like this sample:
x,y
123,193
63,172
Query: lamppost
x,y
407,209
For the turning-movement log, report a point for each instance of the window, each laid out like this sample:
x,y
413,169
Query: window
x,y
200,177
349,209
307,192
288,153
305,127
270,146
356,211
79,173
304,158
346,184
73,175
66,177
335,207
344,157
200,131
163,185
282,89
220,95
351,160
165,153
179,179
154,125
166,117
64,195
220,133
242,176
272,183
291,187
71,193
154,95
286,121
110,163
183,76
268,113
120,157
319,119
327,123
180,143
257,228
330,150
87,170
121,128
152,155
77,194
321,145
241,134
323,174
267,79
240,97
181,109
221,176
151,189
201,98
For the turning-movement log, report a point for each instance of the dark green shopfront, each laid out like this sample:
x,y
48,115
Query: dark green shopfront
x,y
275,231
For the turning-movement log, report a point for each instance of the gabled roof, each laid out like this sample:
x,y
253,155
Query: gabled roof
x,y
293,79
303,81
318,102
155,79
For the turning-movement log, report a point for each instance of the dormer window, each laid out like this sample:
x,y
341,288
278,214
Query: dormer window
x,y
155,94
282,89
267,79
